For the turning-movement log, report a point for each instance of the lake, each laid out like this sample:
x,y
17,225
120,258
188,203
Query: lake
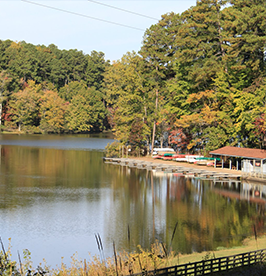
x,y
56,194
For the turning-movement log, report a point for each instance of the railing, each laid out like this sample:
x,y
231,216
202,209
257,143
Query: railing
x,y
254,168
212,266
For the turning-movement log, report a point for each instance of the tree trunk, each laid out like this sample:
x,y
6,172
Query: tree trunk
x,y
221,38
1,110
154,123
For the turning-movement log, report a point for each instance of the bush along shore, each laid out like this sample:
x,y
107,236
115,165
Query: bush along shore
x,y
122,263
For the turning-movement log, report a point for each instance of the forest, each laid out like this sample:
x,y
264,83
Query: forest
x,y
197,83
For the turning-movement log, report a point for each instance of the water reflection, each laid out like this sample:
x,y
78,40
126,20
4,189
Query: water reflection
x,y
205,219
253,192
77,141
53,201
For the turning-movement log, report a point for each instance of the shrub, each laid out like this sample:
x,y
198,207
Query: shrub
x,y
113,150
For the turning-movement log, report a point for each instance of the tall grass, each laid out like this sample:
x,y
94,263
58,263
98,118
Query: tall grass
x,y
122,263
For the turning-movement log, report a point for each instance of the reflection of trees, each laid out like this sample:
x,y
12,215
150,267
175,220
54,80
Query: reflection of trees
x,y
205,220
26,167
64,165
149,205
138,208
208,220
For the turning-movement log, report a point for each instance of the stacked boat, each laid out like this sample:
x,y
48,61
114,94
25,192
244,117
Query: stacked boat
x,y
207,161
164,153
170,154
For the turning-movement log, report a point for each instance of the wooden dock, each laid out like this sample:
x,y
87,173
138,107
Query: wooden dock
x,y
175,169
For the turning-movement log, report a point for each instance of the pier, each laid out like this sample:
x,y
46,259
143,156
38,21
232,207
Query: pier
x,y
176,168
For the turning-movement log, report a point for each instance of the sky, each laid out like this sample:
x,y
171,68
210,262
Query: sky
x,y
85,25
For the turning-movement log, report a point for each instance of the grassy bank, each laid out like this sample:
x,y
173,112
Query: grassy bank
x,y
249,244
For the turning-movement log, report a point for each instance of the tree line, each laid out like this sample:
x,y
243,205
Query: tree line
x,y
197,83
47,90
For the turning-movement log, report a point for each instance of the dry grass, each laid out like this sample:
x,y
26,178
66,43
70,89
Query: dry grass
x,y
142,260
123,264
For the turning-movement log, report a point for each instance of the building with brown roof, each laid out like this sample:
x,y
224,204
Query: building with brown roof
x,y
250,161
257,154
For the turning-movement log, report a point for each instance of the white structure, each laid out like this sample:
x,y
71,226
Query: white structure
x,y
165,150
255,168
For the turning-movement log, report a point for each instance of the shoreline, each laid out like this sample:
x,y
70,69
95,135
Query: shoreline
x,y
184,164
249,179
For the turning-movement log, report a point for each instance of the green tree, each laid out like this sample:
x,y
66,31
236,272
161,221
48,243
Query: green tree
x,y
75,64
159,47
4,44
127,99
245,28
73,89
86,112
58,70
201,43
43,64
250,104
96,66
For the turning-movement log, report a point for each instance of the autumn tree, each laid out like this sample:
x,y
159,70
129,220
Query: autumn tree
x,y
260,130
52,112
4,82
24,106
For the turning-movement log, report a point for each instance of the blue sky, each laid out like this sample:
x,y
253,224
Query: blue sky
x,y
68,24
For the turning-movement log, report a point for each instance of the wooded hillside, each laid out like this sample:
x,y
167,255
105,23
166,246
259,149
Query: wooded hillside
x,y
198,82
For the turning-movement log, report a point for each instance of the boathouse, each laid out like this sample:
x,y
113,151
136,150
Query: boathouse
x,y
251,162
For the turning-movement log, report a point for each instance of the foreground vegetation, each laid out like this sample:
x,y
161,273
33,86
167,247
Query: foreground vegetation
x,y
122,263
197,83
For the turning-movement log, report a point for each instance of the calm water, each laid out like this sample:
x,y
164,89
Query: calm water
x,y
56,194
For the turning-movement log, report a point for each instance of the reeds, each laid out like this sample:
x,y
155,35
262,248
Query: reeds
x,y
122,263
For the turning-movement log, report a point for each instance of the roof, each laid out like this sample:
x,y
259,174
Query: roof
x,y
240,152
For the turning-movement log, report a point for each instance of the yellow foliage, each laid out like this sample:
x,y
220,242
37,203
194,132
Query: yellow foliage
x,y
203,95
124,264
15,45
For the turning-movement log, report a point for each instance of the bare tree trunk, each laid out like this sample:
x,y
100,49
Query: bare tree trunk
x,y
1,104
156,109
154,123
220,36
1,110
